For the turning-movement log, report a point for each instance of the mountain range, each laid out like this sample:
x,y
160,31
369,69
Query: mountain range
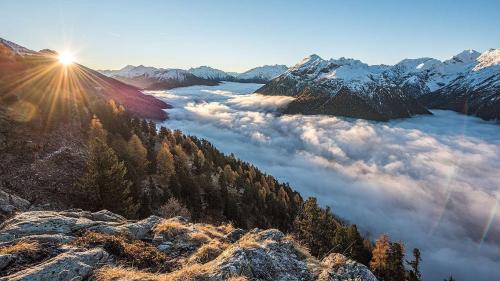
x,y
468,83
152,78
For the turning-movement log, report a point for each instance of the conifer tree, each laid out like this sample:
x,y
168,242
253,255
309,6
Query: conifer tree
x,y
414,274
138,154
104,180
379,263
315,227
165,162
397,271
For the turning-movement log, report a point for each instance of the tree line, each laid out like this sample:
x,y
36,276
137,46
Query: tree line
x,y
135,169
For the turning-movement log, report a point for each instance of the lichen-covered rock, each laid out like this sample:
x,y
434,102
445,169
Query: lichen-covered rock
x,y
10,203
261,255
68,222
68,266
336,267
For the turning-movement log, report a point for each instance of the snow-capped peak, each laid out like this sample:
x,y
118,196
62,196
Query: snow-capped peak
x,y
487,59
466,56
208,72
263,73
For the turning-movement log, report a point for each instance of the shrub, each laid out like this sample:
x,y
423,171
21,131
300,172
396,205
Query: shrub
x,y
173,208
130,252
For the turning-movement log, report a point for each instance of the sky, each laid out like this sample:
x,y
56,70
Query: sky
x,y
238,35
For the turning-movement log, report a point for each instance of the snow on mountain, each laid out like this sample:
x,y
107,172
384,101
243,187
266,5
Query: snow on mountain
x,y
17,49
131,71
487,59
210,73
151,78
317,82
263,73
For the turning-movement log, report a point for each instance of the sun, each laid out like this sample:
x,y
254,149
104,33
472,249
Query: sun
x,y
66,58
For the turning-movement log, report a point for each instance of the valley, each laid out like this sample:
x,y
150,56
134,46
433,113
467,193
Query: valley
x,y
418,178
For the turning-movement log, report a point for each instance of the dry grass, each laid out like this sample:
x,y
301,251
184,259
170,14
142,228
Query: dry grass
x,y
238,278
208,252
198,238
24,247
130,252
170,229
108,273
190,273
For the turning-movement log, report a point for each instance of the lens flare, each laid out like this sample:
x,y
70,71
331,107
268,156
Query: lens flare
x,y
66,58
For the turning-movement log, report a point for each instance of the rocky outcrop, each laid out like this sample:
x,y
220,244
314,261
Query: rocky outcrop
x,y
68,266
77,245
336,267
9,203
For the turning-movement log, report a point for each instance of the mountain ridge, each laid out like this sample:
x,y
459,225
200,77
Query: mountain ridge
x,y
409,84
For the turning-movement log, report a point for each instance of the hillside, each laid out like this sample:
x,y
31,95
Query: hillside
x,y
22,72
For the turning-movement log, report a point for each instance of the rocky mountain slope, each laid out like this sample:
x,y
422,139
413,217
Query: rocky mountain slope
x,y
23,71
343,87
474,89
80,245
468,83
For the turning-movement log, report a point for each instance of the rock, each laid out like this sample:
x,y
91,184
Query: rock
x,y
141,229
10,203
105,215
66,266
336,267
235,235
5,260
44,238
261,255
68,222
42,222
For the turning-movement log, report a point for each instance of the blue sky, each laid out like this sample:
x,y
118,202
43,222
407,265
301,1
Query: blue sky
x,y
237,35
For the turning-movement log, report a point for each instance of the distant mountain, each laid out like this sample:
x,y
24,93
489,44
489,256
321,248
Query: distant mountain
x,y
24,72
468,83
151,78
210,73
261,74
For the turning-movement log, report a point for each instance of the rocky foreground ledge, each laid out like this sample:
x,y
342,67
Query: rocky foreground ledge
x,y
80,245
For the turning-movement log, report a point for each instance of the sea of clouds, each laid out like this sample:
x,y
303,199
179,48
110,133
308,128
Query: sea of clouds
x,y
431,181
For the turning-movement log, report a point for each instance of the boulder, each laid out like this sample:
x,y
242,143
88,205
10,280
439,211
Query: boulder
x,y
68,266
261,255
10,203
337,267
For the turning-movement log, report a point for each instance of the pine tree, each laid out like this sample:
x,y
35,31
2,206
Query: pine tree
x,y
379,263
397,271
138,154
315,227
414,274
165,162
104,180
